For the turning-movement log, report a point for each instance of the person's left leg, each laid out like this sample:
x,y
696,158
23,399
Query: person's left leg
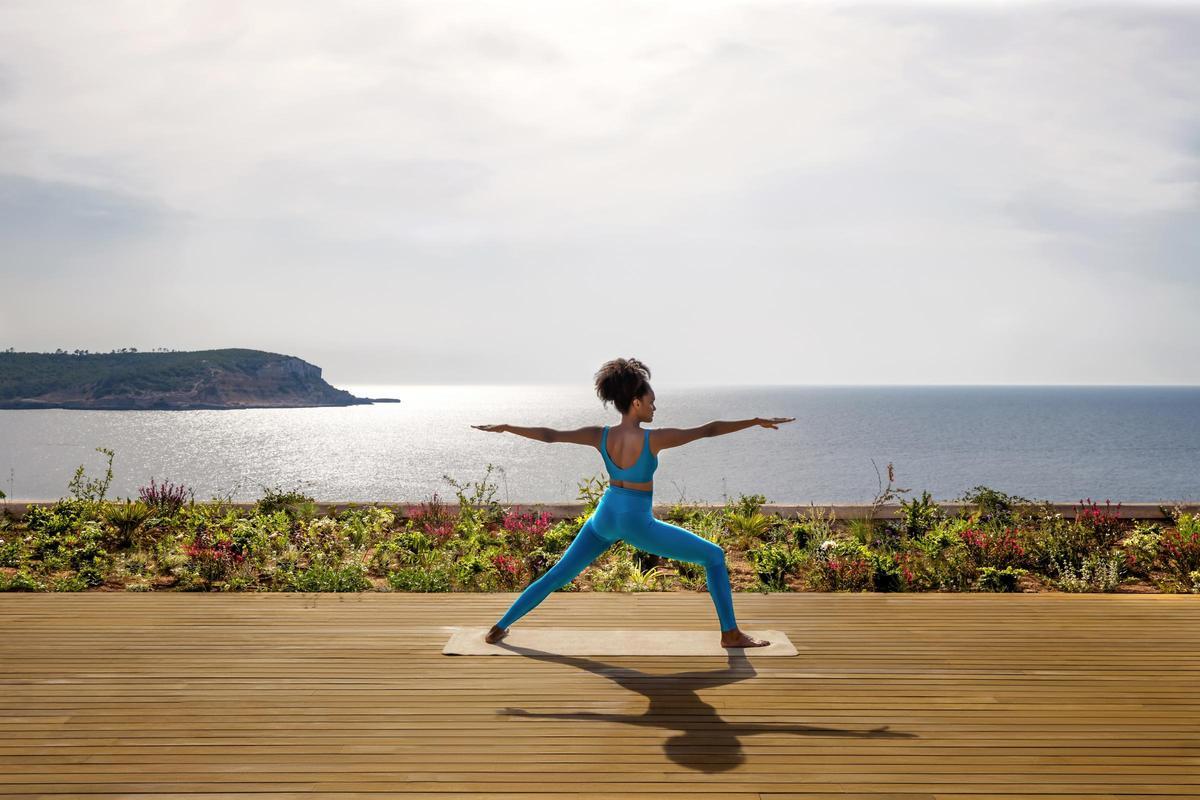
x,y
583,550
664,539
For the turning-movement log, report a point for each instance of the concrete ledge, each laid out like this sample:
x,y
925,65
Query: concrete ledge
x,y
1131,511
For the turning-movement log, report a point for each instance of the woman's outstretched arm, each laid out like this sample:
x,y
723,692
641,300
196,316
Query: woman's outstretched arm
x,y
674,437
587,435
720,427
541,434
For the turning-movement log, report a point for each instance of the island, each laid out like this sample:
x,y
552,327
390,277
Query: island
x,y
172,380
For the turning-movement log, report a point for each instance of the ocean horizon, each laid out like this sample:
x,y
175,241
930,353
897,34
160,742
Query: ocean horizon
x,y
1057,443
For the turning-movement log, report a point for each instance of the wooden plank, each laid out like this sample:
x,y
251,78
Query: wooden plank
x,y
932,696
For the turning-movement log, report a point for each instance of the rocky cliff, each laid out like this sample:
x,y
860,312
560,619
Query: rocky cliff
x,y
214,379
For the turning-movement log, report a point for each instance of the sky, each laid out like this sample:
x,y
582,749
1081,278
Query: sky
x,y
734,193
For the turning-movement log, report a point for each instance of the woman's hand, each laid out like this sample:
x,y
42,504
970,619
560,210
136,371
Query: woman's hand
x,y
502,428
773,422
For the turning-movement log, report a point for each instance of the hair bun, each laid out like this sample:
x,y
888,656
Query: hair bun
x,y
621,380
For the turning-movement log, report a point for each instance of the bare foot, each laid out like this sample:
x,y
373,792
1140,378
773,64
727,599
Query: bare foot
x,y
735,638
495,634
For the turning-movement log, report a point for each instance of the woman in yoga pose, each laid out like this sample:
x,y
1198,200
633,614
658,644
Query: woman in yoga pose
x,y
624,510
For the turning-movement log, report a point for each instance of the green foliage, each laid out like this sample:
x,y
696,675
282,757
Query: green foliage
x,y
748,528
1142,547
188,580
706,523
885,572
80,542
21,581
71,583
296,504
1180,547
646,580
11,551
590,491
775,564
321,536
813,526
1099,572
474,571
136,563
919,515
364,527
1187,525
326,575
843,565
746,505
57,519
992,579
615,575
558,537
1057,541
82,547
242,583
1066,549
477,506
861,530
420,579
126,518
939,560
992,505
91,490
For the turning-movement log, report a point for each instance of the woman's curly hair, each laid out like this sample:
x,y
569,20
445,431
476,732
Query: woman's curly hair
x,y
621,380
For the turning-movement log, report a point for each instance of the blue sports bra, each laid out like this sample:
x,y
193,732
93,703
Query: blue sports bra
x,y
640,472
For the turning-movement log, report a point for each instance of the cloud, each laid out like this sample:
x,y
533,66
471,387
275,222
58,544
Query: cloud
x,y
1152,244
37,210
718,182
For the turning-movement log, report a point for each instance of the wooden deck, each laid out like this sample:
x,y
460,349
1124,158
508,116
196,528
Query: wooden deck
x,y
348,696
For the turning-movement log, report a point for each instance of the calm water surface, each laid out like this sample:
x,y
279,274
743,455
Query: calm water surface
x,y
1054,443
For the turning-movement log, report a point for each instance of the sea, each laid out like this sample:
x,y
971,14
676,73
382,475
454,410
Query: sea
x,y
1058,443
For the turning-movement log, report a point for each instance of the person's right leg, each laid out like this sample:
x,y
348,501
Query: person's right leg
x,y
583,550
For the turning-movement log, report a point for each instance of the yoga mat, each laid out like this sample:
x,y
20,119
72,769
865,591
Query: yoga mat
x,y
592,642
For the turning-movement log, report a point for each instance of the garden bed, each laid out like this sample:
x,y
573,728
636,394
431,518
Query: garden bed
x,y
989,541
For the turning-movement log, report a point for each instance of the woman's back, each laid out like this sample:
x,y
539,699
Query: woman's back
x,y
640,471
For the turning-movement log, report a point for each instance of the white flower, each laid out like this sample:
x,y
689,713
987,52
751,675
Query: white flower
x,y
828,544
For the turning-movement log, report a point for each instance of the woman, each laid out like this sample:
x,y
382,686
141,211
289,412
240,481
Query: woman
x,y
624,510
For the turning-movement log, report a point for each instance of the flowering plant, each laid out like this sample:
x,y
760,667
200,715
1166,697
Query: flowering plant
x,y
991,548
433,518
531,524
1181,546
1103,523
213,556
166,496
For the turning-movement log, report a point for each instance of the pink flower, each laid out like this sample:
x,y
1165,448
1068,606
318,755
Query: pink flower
x,y
531,524
507,564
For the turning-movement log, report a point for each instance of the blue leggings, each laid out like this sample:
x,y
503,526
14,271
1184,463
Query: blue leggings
x,y
625,514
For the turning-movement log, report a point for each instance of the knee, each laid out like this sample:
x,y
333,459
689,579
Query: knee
x,y
714,556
